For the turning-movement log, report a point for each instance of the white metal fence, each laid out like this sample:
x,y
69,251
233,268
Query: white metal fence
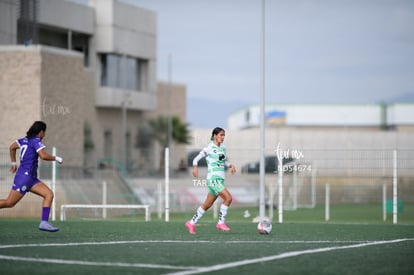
x,y
358,179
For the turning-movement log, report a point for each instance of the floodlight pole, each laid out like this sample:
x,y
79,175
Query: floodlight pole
x,y
169,145
169,124
262,118
124,129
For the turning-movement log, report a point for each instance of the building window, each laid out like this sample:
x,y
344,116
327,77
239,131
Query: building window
x,y
64,39
123,72
27,26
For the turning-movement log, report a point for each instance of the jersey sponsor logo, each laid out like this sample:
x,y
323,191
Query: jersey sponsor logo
x,y
222,157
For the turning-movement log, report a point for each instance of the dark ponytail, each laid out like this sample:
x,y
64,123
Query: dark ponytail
x,y
35,129
215,132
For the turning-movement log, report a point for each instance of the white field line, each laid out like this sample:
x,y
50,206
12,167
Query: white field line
x,y
170,241
282,256
75,262
189,269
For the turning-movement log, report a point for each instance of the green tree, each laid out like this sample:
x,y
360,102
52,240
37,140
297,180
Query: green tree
x,y
180,132
88,144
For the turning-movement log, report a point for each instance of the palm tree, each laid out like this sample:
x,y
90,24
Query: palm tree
x,y
179,132
158,130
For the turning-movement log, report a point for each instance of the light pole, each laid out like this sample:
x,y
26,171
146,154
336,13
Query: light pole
x,y
262,118
124,130
169,126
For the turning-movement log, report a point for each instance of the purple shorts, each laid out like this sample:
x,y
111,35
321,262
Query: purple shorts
x,y
23,183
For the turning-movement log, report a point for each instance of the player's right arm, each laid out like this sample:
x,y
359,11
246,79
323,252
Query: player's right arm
x,y
13,148
195,171
200,155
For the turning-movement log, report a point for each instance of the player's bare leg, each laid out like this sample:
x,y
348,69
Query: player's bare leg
x,y
13,198
42,190
226,196
209,201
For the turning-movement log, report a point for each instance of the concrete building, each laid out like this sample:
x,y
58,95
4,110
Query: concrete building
x,y
316,129
358,116
80,66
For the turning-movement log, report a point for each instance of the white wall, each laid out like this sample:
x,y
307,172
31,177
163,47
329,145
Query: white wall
x,y
336,115
66,15
125,29
400,114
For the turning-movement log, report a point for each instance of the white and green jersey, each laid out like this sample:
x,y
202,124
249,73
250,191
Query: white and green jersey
x,y
216,160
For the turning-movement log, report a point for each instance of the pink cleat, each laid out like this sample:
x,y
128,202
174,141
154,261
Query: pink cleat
x,y
190,227
222,226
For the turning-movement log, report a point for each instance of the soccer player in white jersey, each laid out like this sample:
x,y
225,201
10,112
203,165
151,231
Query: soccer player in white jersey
x,y
25,180
215,154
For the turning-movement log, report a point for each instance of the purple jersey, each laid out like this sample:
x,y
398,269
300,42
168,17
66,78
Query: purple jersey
x,y
28,155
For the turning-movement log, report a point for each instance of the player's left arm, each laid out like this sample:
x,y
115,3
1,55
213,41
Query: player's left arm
x,y
46,156
231,167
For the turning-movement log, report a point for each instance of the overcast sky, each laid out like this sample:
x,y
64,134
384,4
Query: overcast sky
x,y
317,51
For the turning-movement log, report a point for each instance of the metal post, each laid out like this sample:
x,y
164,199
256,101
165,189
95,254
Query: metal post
x,y
169,126
313,186
69,40
280,190
159,200
262,119
167,185
327,202
271,200
384,201
124,131
215,210
295,187
104,198
54,167
394,189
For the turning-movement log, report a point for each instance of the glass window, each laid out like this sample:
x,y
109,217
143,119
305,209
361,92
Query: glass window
x,y
113,73
123,72
104,70
131,74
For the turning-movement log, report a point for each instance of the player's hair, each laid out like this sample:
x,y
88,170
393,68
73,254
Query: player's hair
x,y
35,129
216,131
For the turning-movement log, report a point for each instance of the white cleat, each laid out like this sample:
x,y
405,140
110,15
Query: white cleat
x,y
46,226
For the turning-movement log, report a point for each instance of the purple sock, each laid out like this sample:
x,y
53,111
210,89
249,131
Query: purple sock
x,y
45,213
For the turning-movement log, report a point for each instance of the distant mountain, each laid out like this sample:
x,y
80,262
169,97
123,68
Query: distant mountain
x,y
207,113
404,98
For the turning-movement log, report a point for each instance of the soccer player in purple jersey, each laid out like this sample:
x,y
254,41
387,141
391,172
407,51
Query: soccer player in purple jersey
x,y
31,148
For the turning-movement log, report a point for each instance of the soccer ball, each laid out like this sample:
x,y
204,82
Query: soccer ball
x,y
264,227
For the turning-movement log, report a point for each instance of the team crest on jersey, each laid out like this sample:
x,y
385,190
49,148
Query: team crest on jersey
x,y
24,188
